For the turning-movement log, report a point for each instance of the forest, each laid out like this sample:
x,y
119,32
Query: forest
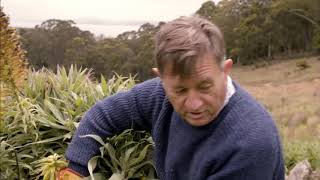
x,y
254,30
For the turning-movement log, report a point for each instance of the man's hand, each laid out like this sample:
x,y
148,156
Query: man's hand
x,y
68,174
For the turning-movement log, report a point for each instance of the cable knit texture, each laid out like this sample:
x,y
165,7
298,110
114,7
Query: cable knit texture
x,y
242,143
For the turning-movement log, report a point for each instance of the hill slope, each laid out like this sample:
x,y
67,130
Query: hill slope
x,y
290,93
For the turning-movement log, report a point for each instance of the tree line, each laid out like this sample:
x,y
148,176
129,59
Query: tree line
x,y
256,29
253,30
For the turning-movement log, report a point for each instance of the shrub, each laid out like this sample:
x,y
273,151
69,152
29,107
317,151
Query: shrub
x,y
43,118
125,156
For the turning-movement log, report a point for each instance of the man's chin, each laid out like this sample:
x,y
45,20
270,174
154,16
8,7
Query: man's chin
x,y
197,122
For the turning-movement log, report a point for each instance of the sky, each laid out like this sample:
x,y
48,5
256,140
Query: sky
x,y
107,17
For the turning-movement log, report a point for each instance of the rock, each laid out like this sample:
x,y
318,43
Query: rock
x,y
315,175
301,171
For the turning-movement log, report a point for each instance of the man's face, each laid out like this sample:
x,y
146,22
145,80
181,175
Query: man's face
x,y
199,97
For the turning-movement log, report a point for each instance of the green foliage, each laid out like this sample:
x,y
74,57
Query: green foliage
x,y
58,42
207,10
127,155
296,151
316,40
11,161
262,28
43,119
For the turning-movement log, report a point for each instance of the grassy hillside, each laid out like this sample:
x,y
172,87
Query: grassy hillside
x,y
291,92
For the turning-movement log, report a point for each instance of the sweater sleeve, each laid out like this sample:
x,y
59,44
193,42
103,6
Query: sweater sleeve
x,y
136,108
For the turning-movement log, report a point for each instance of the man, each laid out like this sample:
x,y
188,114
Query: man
x,y
205,126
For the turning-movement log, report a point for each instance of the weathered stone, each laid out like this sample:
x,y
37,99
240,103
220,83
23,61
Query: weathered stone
x,y
315,175
301,171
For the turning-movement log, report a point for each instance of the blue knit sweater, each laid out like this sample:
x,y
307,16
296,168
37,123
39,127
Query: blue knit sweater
x,y
242,143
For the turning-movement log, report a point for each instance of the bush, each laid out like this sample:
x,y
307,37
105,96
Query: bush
x,y
42,119
125,156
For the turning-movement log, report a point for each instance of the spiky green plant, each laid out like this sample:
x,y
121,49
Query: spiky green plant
x,y
12,161
50,106
124,156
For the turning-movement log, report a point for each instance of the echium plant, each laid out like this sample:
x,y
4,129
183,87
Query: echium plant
x,y
124,156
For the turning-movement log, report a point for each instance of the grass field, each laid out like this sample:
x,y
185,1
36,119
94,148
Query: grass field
x,y
290,90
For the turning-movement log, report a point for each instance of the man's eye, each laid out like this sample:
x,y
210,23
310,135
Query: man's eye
x,y
180,91
205,87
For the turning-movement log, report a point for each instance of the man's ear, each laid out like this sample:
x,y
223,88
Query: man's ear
x,y
227,66
156,72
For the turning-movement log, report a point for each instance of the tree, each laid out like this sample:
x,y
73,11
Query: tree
x,y
13,65
207,10
227,17
142,45
256,29
56,42
253,27
298,19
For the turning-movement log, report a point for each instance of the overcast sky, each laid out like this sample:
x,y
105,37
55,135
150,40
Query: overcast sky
x,y
107,17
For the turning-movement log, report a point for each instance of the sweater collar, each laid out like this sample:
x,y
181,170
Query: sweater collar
x,y
230,92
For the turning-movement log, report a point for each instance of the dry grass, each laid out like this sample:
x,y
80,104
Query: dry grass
x,y
291,95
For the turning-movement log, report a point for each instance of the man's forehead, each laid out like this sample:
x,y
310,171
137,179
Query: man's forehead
x,y
191,68
177,81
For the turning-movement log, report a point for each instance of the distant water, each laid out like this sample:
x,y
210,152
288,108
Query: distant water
x,y
108,30
105,30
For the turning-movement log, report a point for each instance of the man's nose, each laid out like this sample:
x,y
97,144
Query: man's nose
x,y
193,102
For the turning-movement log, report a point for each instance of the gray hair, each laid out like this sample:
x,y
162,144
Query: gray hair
x,y
182,41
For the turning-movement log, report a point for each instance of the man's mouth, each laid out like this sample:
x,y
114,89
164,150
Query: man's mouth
x,y
195,115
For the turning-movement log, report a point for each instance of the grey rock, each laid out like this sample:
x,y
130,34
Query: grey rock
x,y
301,171
315,175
